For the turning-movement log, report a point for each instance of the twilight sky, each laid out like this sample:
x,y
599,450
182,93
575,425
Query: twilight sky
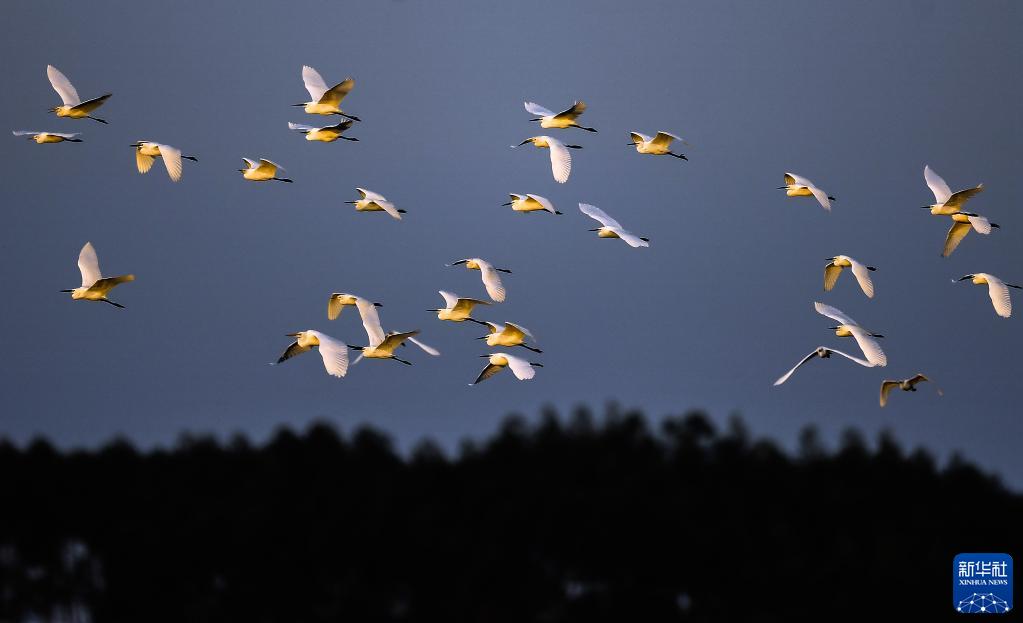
x,y
855,96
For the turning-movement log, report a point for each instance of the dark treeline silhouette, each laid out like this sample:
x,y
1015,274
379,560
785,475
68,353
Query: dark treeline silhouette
x,y
559,520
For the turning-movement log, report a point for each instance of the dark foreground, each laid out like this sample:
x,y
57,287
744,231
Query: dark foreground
x,y
554,522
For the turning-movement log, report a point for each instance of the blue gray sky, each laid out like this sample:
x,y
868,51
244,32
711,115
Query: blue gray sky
x,y
856,96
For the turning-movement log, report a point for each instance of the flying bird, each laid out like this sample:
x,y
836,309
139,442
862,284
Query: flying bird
x,y
375,202
849,327
564,119
962,223
530,203
262,171
659,145
797,186
379,345
491,280
325,134
611,228
906,385
147,151
824,353
522,369
561,158
861,271
94,286
457,309
997,289
508,335
946,202
324,101
48,137
333,350
339,300
74,107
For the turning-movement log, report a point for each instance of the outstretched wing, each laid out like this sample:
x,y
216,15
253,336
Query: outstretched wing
x,y
821,196
301,127
865,364
870,346
519,367
516,331
268,166
834,313
370,321
313,83
369,194
831,273
143,162
394,340
664,139
487,372
450,300
638,137
88,264
937,185
430,350
93,104
599,215
980,224
292,350
573,111
62,86
547,205
958,198
999,293
172,160
388,207
955,235
561,160
334,306
862,274
492,281
466,305
336,93
886,388
334,353
536,109
786,376
630,238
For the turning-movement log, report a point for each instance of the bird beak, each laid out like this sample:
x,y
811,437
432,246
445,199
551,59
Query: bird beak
x,y
350,202
963,278
506,204
925,207
627,144
291,334
482,356
520,144
597,229
782,187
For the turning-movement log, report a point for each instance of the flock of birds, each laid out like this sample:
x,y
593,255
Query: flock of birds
x,y
326,101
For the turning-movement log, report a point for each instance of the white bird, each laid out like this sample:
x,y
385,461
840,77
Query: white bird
x,y
74,107
48,137
324,101
946,202
611,228
375,202
561,158
849,327
906,385
491,280
659,145
339,300
824,353
333,350
530,203
797,186
262,171
962,223
457,309
997,289
861,271
324,134
508,335
146,153
564,119
522,369
94,286
377,348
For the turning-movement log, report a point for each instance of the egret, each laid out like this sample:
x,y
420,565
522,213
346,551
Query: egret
x,y
457,309
997,289
325,134
94,286
48,137
561,120
861,271
962,223
333,350
611,228
339,300
522,369
147,151
797,186
561,158
509,335
262,171
946,202
380,345
324,101
491,280
375,202
849,327
74,107
824,353
530,203
906,385
659,145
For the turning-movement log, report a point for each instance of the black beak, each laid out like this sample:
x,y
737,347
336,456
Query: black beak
x,y
506,204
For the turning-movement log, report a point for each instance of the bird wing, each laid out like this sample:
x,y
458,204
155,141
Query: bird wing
x,y
334,353
831,273
546,203
251,164
638,137
999,293
336,93
369,194
980,224
937,185
301,127
492,281
394,340
519,367
143,162
630,238
466,305
450,300
917,378
536,109
493,327
599,215
430,350
292,350
268,166
313,83
514,330
561,160
573,111
88,264
62,86
108,283
172,160
960,197
663,139
834,313
821,196
370,321
27,132
388,207
870,346
340,127
334,306
886,388
956,233
487,372
786,376
863,363
797,180
862,275
93,104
